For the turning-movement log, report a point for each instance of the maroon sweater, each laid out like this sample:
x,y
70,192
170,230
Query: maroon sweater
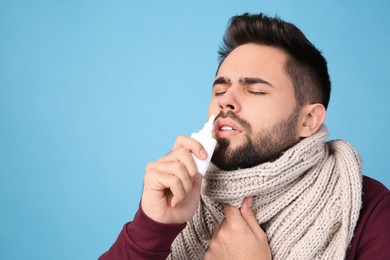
x,y
144,238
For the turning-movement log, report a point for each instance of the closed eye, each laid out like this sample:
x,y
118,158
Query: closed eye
x,y
220,89
219,93
257,92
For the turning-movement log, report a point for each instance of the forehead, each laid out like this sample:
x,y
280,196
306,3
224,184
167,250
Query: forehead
x,y
256,60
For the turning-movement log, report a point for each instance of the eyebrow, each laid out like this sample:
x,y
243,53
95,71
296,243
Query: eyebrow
x,y
221,80
244,80
250,80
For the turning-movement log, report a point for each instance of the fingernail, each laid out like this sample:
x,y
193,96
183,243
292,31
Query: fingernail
x,y
250,202
203,154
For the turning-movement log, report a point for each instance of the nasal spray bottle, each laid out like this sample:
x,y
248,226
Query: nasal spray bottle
x,y
204,136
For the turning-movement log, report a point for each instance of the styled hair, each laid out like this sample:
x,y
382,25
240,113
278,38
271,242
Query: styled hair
x,y
305,65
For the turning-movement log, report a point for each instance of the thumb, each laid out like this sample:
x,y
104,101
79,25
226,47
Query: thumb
x,y
247,211
250,217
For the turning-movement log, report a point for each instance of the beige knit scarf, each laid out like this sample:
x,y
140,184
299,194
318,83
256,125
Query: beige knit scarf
x,y
307,201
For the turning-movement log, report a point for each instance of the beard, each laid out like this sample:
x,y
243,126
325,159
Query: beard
x,y
265,146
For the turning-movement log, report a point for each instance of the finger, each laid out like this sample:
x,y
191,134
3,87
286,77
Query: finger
x,y
184,156
197,180
250,218
213,242
217,228
167,181
192,145
231,213
174,168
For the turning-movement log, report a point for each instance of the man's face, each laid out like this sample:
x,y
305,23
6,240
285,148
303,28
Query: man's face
x,y
253,99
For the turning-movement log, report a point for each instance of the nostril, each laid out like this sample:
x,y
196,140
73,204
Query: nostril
x,y
228,107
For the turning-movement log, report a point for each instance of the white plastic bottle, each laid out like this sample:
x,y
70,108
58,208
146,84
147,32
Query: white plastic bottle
x,y
205,137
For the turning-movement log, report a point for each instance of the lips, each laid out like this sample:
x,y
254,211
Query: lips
x,y
225,127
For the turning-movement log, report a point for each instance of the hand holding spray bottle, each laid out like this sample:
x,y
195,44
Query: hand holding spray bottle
x,y
205,137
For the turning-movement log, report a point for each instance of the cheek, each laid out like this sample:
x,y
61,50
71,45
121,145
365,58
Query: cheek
x,y
261,118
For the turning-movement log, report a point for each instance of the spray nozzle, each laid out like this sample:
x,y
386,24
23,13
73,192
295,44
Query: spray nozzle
x,y
208,127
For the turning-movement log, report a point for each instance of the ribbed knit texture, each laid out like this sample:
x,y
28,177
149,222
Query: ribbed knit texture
x,y
307,201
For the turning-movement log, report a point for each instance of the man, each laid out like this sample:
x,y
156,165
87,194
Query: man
x,y
275,189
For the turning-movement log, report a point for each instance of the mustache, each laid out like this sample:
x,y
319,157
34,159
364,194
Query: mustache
x,y
230,114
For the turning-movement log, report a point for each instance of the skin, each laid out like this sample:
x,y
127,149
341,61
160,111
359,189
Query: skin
x,y
257,103
252,83
239,228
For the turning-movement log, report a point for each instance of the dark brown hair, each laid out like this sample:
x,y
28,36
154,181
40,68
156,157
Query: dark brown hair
x,y
306,66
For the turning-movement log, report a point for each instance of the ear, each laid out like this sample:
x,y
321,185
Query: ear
x,y
311,118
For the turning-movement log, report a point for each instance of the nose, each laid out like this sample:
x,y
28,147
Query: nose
x,y
228,101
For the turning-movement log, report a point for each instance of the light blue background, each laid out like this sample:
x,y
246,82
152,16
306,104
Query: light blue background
x,y
90,91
